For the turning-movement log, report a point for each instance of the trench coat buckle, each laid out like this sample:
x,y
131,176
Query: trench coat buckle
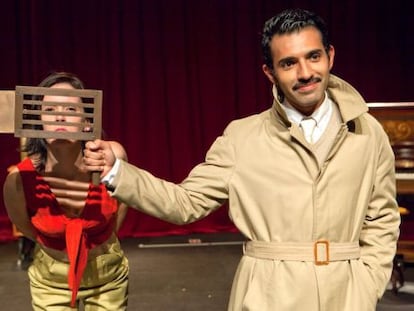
x,y
321,252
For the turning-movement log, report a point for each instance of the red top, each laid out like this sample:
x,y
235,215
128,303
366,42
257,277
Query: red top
x,y
55,230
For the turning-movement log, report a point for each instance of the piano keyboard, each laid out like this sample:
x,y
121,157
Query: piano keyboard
x,y
404,175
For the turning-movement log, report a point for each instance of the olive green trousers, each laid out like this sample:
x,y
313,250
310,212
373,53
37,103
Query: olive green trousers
x,y
104,284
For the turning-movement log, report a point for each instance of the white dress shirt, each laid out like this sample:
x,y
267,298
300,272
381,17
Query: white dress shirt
x,y
322,115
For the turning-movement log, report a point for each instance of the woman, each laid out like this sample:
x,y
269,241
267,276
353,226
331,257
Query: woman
x,y
78,257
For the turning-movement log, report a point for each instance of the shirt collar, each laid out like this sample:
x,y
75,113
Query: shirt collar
x,y
319,115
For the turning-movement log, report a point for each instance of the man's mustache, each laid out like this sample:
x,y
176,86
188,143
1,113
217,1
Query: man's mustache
x,y
303,83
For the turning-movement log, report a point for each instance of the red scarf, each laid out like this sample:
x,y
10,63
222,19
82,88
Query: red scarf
x,y
76,236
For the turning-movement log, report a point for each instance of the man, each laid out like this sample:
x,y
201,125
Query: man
x,y
318,205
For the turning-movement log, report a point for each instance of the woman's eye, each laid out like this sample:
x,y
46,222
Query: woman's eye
x,y
71,109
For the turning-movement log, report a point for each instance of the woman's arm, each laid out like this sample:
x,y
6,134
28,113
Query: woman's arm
x,y
15,202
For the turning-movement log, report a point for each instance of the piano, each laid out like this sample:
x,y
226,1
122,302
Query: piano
x,y
397,119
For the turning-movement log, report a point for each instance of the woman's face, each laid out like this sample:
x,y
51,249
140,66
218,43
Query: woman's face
x,y
64,108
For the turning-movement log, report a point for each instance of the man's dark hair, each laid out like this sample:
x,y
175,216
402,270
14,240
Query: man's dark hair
x,y
287,22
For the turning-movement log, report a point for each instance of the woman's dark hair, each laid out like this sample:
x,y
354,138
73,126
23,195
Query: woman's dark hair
x,y
287,22
37,146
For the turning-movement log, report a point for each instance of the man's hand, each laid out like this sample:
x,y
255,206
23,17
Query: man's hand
x,y
98,156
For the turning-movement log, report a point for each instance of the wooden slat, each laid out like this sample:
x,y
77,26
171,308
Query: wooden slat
x,y
7,111
27,133
28,108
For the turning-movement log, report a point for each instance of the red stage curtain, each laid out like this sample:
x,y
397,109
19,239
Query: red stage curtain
x,y
175,72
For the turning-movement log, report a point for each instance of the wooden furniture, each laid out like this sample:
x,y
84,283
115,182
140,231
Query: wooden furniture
x,y
397,120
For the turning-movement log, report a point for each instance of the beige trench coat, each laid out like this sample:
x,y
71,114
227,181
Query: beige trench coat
x,y
277,192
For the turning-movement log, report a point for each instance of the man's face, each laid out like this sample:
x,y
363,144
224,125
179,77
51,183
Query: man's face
x,y
300,68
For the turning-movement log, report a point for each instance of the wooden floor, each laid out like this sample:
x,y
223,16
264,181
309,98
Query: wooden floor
x,y
183,273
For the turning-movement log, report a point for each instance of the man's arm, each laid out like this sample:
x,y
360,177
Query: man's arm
x,y
381,226
120,153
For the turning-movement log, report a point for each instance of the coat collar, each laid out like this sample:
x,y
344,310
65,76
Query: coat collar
x,y
350,102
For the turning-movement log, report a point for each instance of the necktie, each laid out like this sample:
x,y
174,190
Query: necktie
x,y
308,126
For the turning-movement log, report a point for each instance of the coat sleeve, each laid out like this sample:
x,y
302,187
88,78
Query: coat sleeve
x,y
380,230
203,191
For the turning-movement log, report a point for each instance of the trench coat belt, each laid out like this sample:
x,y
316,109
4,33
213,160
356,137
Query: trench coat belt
x,y
320,252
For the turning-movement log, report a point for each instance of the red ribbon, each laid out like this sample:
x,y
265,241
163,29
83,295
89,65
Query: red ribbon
x,y
77,254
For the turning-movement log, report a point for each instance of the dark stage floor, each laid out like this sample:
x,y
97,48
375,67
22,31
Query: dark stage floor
x,y
173,273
